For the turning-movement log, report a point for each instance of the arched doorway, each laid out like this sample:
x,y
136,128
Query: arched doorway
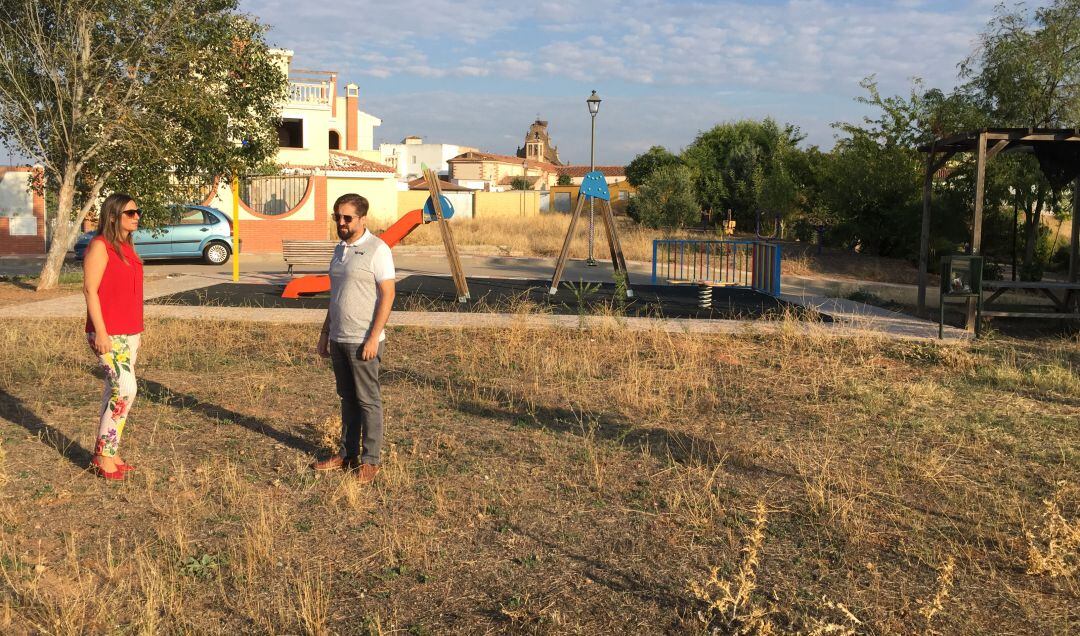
x,y
335,140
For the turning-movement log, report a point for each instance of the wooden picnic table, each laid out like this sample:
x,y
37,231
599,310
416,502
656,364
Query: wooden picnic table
x,y
1048,288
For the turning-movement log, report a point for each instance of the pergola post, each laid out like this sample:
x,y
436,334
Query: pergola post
x,y
976,223
924,236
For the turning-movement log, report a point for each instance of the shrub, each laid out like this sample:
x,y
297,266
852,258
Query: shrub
x,y
666,199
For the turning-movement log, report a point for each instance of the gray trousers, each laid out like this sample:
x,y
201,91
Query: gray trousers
x,y
361,401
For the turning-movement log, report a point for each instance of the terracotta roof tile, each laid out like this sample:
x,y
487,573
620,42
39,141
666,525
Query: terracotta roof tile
x,y
445,186
476,155
342,161
581,171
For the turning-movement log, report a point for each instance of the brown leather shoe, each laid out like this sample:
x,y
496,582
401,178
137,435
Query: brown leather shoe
x,y
367,473
337,462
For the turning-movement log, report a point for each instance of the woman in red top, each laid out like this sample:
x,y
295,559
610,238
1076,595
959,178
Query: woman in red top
x,y
113,286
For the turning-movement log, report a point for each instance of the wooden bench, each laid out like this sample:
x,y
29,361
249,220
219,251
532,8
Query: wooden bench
x,y
311,253
1047,288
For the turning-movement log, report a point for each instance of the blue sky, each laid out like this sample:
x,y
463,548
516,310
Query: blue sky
x,y
477,72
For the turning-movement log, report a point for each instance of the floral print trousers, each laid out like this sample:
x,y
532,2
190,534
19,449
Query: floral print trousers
x,y
119,393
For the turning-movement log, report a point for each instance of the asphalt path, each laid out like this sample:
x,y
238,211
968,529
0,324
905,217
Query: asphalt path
x,y
408,261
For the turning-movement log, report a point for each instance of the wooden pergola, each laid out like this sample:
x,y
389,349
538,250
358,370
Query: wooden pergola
x,y
1059,147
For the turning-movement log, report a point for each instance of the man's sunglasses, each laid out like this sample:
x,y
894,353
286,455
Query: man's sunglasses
x,y
338,218
133,213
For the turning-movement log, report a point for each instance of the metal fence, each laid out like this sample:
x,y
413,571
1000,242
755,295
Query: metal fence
x,y
738,263
274,194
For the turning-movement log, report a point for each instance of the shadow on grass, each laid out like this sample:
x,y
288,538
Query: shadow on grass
x,y
161,394
13,410
21,282
683,448
665,594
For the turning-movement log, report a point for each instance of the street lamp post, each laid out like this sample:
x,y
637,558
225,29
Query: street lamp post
x,y
594,107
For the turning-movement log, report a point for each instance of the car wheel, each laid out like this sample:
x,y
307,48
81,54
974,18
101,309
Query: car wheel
x,y
216,253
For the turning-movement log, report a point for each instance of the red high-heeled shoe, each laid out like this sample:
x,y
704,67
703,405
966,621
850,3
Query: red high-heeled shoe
x,y
124,467
116,475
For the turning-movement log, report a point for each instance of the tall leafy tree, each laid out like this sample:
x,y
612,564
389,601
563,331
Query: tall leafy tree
x,y
1027,67
643,165
666,199
144,96
743,166
874,188
1026,73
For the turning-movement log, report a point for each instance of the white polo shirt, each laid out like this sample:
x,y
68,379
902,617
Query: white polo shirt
x,y
355,270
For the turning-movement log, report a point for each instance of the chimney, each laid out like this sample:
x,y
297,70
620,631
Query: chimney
x,y
352,117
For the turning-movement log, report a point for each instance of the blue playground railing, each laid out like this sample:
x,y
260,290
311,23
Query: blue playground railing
x,y
739,263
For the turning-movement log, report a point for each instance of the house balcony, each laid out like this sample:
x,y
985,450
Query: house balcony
x,y
312,88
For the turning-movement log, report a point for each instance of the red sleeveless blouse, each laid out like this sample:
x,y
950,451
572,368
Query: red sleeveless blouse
x,y
120,292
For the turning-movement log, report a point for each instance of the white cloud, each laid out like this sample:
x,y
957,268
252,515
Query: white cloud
x,y
799,61
802,45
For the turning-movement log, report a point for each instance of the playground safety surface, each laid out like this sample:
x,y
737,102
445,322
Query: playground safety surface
x,y
437,293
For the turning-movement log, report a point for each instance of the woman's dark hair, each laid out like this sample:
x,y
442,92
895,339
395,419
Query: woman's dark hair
x,y
112,212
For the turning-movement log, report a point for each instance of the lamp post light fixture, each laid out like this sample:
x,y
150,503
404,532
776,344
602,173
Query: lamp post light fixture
x,y
594,107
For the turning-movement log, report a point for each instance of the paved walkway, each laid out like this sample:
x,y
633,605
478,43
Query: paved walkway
x,y
850,318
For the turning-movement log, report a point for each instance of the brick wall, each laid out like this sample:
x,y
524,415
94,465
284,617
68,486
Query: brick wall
x,y
23,245
263,235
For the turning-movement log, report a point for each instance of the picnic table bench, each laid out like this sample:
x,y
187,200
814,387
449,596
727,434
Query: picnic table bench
x,y
1048,288
311,253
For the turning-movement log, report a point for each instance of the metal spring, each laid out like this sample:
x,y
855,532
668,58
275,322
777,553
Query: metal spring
x,y
705,296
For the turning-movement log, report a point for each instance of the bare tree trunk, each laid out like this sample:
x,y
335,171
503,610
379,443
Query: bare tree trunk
x,y
67,230
1031,233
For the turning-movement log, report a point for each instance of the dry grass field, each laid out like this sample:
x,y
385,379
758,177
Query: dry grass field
x,y
547,482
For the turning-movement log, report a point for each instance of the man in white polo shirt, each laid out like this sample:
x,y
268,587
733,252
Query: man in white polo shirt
x,y
361,293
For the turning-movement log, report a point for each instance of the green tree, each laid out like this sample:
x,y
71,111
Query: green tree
x,y
519,183
143,96
1027,67
666,199
742,166
873,187
875,190
564,180
643,165
1026,73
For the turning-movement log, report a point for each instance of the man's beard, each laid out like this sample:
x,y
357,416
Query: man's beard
x,y
346,233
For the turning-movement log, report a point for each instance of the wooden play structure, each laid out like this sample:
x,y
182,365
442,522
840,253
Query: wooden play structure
x,y
437,209
594,188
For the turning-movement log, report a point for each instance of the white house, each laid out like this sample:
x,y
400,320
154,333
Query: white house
x,y
325,150
410,156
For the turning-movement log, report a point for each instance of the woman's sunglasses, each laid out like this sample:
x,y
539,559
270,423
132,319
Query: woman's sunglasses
x,y
338,218
133,213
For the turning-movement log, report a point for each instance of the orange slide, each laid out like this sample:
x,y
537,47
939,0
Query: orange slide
x,y
319,283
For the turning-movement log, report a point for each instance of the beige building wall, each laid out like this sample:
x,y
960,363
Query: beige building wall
x,y
409,200
518,203
473,170
316,150
380,193
365,138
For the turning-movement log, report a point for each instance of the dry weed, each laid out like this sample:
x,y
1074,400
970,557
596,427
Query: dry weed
x,y
1054,549
730,606
932,607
